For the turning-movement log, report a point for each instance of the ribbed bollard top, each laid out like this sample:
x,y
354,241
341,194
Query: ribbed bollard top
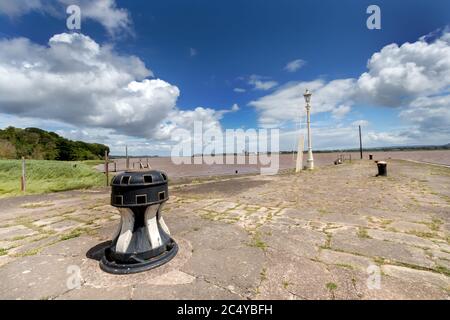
x,y
139,188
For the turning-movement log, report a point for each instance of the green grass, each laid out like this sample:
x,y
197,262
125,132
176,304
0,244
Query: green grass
x,y
96,162
345,265
422,234
73,234
331,286
263,274
362,233
45,176
29,253
435,224
443,270
257,242
379,260
327,244
40,204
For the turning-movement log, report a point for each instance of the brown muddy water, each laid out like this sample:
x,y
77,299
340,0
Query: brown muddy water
x,y
285,161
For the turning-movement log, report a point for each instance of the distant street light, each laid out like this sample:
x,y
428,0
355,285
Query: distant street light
x,y
310,160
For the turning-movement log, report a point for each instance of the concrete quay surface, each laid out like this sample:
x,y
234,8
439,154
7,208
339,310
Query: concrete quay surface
x,y
337,232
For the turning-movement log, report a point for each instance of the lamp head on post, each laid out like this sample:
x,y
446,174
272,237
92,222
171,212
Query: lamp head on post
x,y
307,96
310,160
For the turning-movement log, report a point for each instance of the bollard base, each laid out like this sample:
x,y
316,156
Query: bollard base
x,y
112,266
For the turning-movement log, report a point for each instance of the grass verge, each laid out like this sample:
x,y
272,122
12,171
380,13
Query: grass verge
x,y
44,176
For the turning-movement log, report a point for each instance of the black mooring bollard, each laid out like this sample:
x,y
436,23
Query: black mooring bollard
x,y
142,241
370,157
382,168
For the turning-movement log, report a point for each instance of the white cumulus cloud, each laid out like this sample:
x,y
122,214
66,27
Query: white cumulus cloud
x,y
105,12
76,81
397,74
294,65
340,111
429,114
288,104
413,77
235,107
261,83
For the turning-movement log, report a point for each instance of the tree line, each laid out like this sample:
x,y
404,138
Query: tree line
x,y
35,143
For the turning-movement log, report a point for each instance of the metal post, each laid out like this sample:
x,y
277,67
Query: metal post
x,y
23,179
360,143
106,168
310,161
127,159
299,163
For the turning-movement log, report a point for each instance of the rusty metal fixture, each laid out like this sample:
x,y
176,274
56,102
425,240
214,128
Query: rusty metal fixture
x,y
142,241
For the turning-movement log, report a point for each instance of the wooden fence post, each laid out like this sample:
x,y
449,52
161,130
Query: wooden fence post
x,y
106,168
23,179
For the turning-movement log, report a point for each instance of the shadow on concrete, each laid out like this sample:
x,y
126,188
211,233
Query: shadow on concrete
x,y
97,252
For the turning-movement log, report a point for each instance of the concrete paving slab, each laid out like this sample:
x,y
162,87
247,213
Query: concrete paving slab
x,y
198,289
31,247
14,232
351,243
401,238
293,278
35,277
294,240
345,259
64,225
91,293
418,276
77,246
239,267
47,221
404,226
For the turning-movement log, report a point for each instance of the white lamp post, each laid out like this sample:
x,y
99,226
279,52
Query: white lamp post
x,y
310,160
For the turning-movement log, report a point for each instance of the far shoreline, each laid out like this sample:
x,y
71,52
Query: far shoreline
x,y
286,161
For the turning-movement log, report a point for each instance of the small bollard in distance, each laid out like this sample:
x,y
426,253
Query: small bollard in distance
x,y
370,156
142,241
382,168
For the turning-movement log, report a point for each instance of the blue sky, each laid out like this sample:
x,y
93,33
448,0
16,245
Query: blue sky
x,y
210,50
